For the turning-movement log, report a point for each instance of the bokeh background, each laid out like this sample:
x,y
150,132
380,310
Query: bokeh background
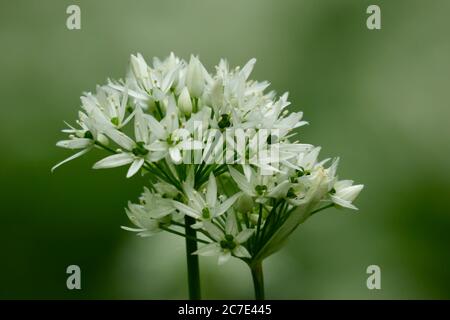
x,y
378,99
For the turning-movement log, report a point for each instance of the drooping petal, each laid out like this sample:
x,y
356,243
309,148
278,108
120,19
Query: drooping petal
x,y
132,229
76,155
115,160
135,166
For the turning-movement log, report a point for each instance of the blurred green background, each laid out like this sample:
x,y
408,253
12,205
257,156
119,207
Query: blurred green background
x,y
378,99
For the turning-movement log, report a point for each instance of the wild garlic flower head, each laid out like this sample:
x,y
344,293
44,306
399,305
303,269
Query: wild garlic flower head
x,y
215,147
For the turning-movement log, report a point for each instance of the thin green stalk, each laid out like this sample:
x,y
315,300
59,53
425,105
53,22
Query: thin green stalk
x,y
258,279
323,208
181,234
192,260
258,227
158,108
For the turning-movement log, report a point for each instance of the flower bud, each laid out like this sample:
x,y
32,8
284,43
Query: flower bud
x,y
217,94
184,102
139,66
195,78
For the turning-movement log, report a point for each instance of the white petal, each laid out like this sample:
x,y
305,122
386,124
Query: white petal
x,y
156,128
213,231
280,190
224,206
343,203
132,229
116,160
247,69
244,235
79,143
140,126
141,95
186,210
211,192
241,252
120,138
76,155
349,193
158,146
242,182
231,226
212,249
135,166
341,184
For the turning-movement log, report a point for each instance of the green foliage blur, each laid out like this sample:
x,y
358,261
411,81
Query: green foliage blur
x,y
378,99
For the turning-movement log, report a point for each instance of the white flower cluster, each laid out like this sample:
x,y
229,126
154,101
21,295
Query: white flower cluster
x,y
246,207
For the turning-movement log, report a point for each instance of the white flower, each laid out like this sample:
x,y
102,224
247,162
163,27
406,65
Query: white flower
x,y
109,106
227,243
150,214
83,138
141,71
344,193
257,185
171,140
204,208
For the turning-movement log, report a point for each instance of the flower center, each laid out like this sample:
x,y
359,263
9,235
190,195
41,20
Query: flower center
x,y
228,242
224,121
139,149
115,121
88,135
260,189
172,139
291,193
206,214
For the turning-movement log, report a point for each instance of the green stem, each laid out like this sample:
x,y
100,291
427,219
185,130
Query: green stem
x,y
182,234
258,279
192,260
323,208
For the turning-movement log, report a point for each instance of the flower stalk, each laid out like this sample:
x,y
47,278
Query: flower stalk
x,y
193,269
258,279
